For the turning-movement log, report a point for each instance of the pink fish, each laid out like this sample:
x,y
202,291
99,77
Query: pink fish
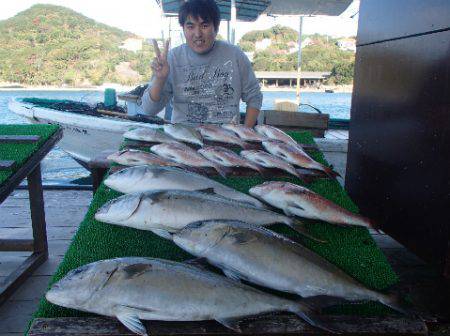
x,y
134,157
218,134
185,155
295,155
302,202
274,133
245,133
269,161
227,157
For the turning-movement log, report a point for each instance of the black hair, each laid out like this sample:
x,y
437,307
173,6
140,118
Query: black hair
x,y
207,10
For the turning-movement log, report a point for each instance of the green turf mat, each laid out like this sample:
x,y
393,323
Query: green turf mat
x,y
352,249
20,152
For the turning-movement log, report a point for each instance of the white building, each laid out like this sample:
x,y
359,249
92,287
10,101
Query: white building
x,y
263,44
347,44
132,44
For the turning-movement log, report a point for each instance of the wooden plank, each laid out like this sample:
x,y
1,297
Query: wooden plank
x,y
9,263
13,281
53,233
16,245
297,119
13,181
7,164
19,138
37,210
14,315
32,289
281,324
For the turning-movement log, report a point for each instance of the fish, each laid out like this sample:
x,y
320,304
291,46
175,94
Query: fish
x,y
274,133
146,178
166,211
132,289
295,155
269,161
245,133
149,135
185,155
300,201
219,134
184,133
226,157
134,157
265,258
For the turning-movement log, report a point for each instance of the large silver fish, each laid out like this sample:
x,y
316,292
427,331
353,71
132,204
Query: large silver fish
x,y
184,133
219,134
134,157
168,211
269,161
295,155
268,259
226,157
245,133
299,201
149,135
274,133
146,178
185,155
134,289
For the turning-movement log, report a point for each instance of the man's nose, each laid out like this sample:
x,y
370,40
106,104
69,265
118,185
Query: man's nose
x,y
197,32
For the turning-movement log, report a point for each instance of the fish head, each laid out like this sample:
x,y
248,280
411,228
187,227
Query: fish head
x,y
198,237
119,209
127,176
77,287
266,188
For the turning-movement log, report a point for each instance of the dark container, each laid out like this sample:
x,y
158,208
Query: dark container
x,y
398,168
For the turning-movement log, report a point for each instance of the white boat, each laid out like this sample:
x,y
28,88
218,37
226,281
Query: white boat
x,y
85,136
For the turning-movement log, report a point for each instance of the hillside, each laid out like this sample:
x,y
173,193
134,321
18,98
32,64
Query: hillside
x,y
53,45
276,48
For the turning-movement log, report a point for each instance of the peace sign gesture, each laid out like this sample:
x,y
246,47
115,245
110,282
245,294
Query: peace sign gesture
x,y
160,66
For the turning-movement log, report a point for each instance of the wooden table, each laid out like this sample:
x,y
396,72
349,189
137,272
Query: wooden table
x,y
31,170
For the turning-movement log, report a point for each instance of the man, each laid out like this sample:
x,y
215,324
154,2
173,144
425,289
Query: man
x,y
205,77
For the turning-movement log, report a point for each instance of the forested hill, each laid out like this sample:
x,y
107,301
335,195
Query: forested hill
x,y
276,49
53,45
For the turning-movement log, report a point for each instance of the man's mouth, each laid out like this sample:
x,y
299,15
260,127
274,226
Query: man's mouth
x,y
199,42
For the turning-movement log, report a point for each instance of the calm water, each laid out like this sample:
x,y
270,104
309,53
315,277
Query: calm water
x,y
58,167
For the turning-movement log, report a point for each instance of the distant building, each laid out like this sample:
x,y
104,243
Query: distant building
x,y
132,44
263,44
289,78
347,44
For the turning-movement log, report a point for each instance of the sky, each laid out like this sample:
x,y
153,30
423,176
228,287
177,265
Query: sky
x,y
143,17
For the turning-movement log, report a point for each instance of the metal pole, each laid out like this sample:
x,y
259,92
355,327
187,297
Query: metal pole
x,y
228,31
233,21
299,61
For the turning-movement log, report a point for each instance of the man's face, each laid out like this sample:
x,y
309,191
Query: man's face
x,y
200,35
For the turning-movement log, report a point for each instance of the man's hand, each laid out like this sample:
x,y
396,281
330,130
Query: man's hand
x,y
160,66
161,70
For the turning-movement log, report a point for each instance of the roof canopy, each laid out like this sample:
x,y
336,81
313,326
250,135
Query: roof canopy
x,y
307,7
249,10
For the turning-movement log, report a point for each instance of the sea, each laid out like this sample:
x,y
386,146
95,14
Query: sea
x,y
58,168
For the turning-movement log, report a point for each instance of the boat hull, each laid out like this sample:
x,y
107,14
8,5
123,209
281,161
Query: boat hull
x,y
85,137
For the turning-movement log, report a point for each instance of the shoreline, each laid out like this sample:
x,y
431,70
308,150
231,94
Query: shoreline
x,y
121,88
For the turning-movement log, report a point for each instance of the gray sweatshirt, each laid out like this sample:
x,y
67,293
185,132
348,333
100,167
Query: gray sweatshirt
x,y
207,88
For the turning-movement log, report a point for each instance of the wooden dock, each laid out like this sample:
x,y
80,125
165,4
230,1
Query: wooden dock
x,y
66,209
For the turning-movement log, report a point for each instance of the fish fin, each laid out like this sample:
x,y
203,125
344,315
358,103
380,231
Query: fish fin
x,y
208,191
287,210
307,314
132,322
299,226
231,275
135,270
162,233
330,172
393,300
221,170
200,263
230,323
